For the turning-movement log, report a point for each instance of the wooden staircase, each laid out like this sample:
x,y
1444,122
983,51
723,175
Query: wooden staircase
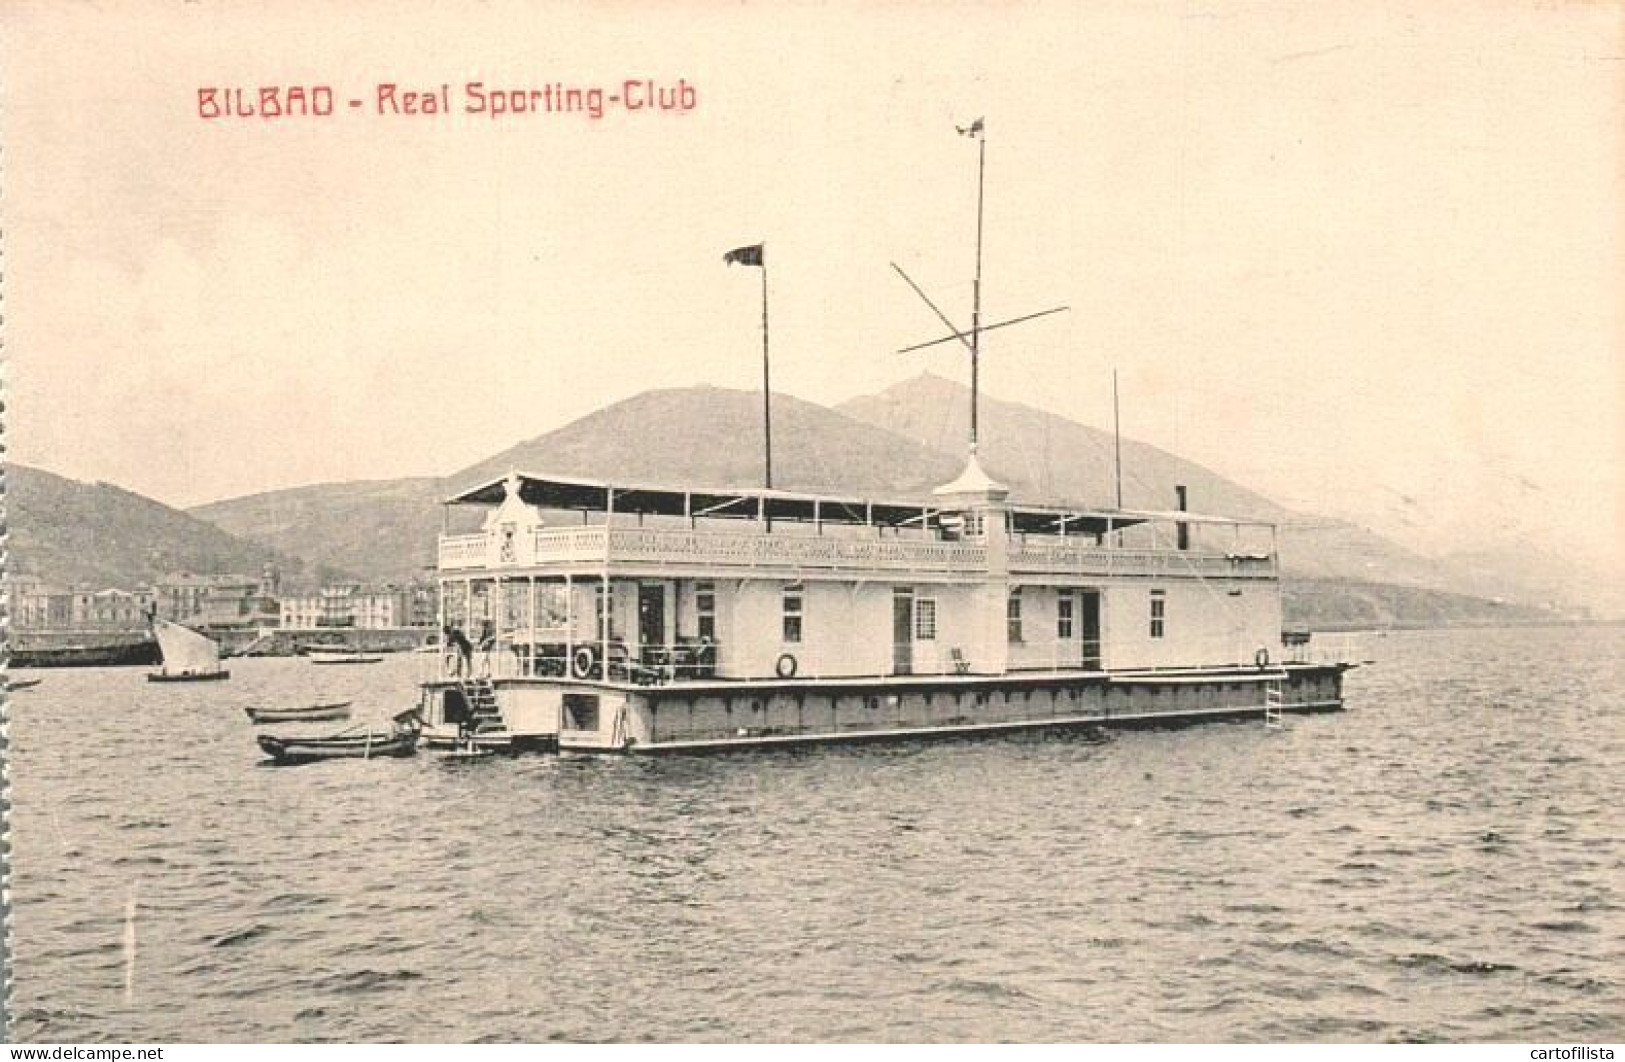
x,y
489,726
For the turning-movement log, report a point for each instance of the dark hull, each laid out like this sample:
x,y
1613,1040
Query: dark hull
x,y
211,676
129,654
719,716
358,747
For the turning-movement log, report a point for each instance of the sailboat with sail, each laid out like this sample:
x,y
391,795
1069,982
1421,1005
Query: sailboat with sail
x,y
187,655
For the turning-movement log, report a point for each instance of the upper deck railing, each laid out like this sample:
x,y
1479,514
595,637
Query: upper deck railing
x,y
564,547
597,545
1057,556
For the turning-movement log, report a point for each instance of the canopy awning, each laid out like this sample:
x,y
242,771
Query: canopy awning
x,y
572,493
568,492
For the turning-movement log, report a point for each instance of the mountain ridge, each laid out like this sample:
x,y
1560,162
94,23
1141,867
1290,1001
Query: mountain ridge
x,y
72,533
900,443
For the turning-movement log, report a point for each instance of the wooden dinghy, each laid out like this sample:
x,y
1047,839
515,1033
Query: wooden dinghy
x,y
314,713
319,656
367,746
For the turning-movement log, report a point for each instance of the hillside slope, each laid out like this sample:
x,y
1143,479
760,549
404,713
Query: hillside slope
x,y
1045,456
93,534
378,530
713,436
900,443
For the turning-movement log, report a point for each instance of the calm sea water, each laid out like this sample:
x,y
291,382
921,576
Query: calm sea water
x,y
1441,862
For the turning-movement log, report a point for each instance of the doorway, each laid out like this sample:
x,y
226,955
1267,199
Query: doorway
x,y
652,622
1089,607
902,630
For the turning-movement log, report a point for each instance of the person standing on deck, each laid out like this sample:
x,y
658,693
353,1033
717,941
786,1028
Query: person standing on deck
x,y
456,643
488,641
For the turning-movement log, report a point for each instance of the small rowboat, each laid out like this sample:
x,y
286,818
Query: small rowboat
x,y
366,746
315,713
189,676
318,656
22,684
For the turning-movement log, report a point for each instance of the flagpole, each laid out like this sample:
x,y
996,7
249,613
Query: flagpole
x,y
1117,439
976,290
767,387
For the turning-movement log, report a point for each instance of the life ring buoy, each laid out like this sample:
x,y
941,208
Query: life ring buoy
x,y
582,663
1262,658
786,666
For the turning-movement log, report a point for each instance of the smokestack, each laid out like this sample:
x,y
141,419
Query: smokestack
x,y
1184,528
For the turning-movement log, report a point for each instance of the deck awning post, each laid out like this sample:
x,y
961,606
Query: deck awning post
x,y
569,621
530,633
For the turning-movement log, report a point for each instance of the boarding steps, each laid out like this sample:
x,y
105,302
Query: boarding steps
x,y
481,698
1274,702
260,643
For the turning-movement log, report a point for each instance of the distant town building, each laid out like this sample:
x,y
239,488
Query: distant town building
x,y
301,612
112,608
424,608
37,605
180,596
219,600
353,605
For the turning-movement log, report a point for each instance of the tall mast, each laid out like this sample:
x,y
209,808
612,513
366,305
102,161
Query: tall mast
x,y
767,390
971,338
980,132
1117,440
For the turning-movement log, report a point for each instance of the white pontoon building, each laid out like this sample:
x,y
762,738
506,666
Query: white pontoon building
x,y
636,618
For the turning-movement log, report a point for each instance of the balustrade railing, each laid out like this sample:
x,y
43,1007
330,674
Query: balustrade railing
x,y
597,544
682,546
547,654
1078,558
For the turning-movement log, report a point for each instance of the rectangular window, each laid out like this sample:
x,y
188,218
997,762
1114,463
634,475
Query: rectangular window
x,y
925,620
1159,613
1012,615
1063,615
792,613
705,608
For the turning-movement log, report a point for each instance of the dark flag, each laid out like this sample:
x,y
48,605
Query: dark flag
x,y
974,129
745,255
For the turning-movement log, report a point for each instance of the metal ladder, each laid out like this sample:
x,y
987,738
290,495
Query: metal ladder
x,y
1273,702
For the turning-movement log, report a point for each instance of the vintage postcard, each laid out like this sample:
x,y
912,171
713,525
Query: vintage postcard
x,y
965,522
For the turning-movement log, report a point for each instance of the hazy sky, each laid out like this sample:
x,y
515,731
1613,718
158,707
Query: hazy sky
x,y
1365,257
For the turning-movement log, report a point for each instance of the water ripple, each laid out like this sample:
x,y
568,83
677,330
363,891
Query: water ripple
x,y
1440,863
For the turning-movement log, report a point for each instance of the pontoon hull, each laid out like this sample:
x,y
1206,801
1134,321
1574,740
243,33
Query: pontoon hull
x,y
582,716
